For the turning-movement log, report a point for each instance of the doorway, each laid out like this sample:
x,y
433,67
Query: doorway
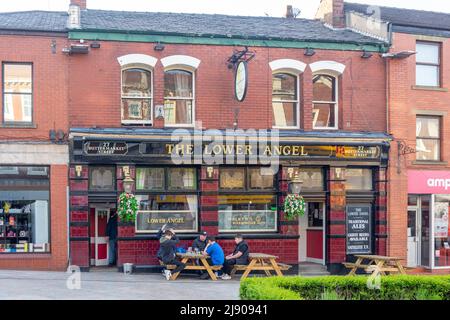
x,y
414,232
99,240
312,233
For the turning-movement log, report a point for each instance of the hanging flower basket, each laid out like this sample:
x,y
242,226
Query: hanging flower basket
x,y
128,206
294,206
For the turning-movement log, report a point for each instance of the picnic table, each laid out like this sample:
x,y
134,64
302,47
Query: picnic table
x,y
376,265
190,259
261,262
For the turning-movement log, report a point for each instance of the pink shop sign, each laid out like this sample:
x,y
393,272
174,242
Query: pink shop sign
x,y
428,182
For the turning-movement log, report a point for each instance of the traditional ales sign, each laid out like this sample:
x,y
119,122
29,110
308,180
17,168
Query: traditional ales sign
x,y
359,233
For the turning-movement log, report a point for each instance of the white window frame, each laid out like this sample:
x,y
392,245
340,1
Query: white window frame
x,y
182,125
9,170
32,172
122,96
5,95
297,102
336,102
438,66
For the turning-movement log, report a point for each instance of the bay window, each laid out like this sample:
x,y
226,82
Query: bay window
x,y
325,102
285,100
428,141
24,210
178,97
17,93
136,96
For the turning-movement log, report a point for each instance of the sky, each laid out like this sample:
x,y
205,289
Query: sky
x,y
274,8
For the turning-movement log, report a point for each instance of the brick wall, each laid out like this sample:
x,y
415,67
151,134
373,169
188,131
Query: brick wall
x,y
95,99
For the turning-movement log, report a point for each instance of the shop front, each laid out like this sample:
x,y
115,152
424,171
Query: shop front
x,y
179,184
428,219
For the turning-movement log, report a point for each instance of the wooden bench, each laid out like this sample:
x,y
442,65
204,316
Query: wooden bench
x,y
243,267
171,267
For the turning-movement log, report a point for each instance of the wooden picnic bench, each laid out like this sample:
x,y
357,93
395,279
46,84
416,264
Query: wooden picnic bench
x,y
375,264
261,262
190,259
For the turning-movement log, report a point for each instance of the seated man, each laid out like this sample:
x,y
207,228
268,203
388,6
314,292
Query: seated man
x,y
215,251
200,242
168,252
239,256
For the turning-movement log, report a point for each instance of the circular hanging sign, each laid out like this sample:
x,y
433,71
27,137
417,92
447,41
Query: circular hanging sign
x,y
241,81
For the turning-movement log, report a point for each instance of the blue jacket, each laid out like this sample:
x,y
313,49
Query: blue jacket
x,y
216,253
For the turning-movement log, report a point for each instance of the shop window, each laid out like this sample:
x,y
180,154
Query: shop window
x,y
324,102
247,213
428,138
176,211
285,100
358,179
24,210
102,178
441,231
182,179
17,93
150,179
428,64
136,96
178,97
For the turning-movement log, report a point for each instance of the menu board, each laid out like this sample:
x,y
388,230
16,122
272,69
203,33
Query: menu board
x,y
359,235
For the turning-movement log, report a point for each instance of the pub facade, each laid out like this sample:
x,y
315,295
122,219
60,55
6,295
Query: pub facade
x,y
212,129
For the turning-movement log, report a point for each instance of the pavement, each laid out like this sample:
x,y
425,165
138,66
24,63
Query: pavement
x,y
101,285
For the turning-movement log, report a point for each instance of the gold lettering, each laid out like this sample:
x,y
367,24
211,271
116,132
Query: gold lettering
x,y
229,149
249,150
239,149
286,150
295,150
268,151
303,151
169,148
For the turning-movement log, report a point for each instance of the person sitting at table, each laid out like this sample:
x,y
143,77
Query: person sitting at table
x,y
215,252
239,256
168,252
200,242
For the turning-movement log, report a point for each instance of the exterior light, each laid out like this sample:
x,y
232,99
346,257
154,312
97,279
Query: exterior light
x,y
295,185
159,47
309,52
128,183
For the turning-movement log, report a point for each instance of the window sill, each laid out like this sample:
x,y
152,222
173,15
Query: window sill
x,y
434,163
439,89
286,128
18,126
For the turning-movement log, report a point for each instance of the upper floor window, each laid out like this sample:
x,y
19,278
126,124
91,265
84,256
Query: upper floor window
x,y
17,93
178,97
428,139
136,96
428,64
325,102
285,100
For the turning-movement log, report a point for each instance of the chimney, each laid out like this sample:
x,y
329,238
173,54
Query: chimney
x,y
79,3
332,12
74,19
289,12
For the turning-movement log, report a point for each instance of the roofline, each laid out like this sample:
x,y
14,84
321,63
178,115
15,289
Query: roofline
x,y
211,39
27,32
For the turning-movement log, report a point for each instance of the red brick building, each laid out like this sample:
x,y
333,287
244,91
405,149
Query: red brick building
x,y
34,151
418,103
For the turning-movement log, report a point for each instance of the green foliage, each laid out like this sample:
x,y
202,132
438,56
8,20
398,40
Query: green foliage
x,y
294,206
128,207
395,287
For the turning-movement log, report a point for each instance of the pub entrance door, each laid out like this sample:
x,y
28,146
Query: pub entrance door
x,y
99,241
312,234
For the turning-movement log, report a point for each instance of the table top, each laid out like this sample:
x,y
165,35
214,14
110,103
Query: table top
x,y
192,255
375,257
261,256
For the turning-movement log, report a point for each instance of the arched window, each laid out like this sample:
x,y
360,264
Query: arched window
x,y
285,100
179,97
137,96
325,102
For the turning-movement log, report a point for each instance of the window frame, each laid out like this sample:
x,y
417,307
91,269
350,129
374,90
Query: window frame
x,y
439,139
438,65
31,94
336,102
114,178
181,125
297,101
361,191
151,97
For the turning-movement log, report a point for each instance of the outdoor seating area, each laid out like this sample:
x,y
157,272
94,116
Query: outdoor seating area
x,y
375,264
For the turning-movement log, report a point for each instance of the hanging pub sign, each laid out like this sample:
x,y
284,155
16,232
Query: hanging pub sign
x,y
359,236
241,81
103,148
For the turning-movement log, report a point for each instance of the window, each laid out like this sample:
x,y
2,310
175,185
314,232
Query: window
x,y
428,64
102,178
285,100
248,202
136,96
441,230
312,178
17,93
150,179
172,179
177,211
428,138
358,179
178,97
182,179
325,102
24,210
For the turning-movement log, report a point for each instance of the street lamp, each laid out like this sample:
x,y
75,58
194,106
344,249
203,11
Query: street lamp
x,y
295,185
128,183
